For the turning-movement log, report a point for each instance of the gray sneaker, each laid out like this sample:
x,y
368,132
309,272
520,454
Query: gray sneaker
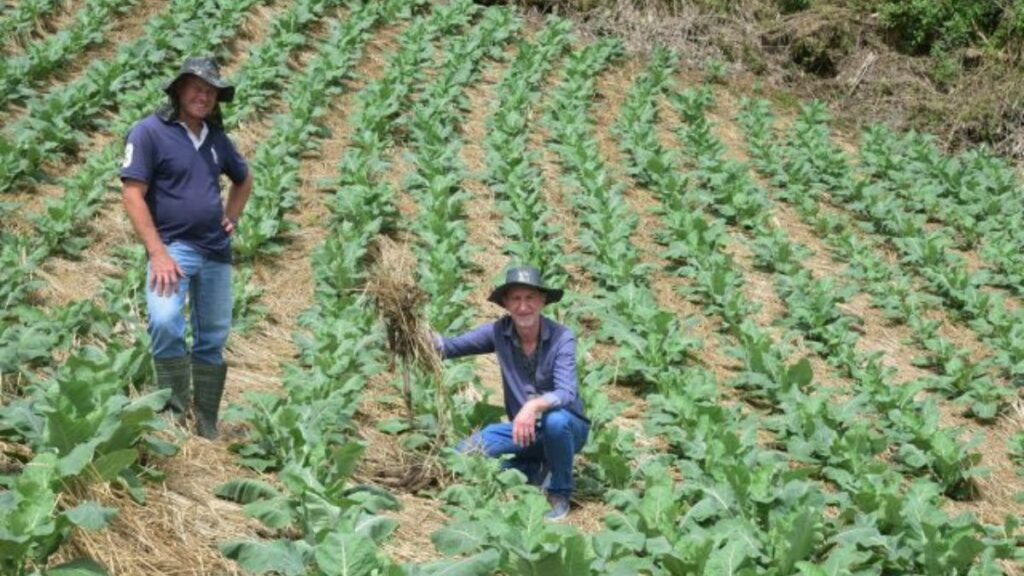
x,y
559,508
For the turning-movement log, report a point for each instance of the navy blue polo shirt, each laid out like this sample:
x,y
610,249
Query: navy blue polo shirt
x,y
183,183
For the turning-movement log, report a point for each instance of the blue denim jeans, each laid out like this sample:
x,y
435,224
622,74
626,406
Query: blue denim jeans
x,y
207,285
559,437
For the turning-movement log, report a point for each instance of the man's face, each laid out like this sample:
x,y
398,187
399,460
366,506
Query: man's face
x,y
196,98
524,305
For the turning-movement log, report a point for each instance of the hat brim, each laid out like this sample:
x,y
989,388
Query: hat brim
x,y
225,91
551,295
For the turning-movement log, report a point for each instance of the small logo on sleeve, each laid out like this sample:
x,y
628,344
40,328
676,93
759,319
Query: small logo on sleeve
x,y
129,151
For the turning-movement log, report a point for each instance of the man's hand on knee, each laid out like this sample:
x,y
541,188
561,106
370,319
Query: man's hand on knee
x,y
524,427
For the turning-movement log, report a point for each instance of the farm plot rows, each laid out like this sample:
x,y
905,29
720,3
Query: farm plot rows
x,y
759,471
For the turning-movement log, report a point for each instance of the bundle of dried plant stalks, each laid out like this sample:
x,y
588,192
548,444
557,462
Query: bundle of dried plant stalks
x,y
410,340
400,302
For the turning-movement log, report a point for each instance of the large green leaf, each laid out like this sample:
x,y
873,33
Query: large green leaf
x,y
65,431
79,567
800,540
281,556
273,513
374,527
345,459
36,499
109,466
346,554
459,538
481,564
77,459
800,374
245,490
729,559
571,560
91,516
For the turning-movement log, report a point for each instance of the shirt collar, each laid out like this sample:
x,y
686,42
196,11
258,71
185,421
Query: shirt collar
x,y
510,330
197,141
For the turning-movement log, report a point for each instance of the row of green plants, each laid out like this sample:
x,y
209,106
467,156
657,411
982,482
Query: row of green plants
x,y
18,22
41,59
321,520
495,519
442,250
651,348
814,309
529,220
380,126
82,425
825,442
296,131
974,383
974,196
499,507
811,164
513,172
55,124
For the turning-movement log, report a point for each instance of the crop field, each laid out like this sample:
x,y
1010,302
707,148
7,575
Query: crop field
x,y
802,350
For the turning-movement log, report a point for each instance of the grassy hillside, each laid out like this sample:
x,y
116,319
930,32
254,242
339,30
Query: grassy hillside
x,y
948,68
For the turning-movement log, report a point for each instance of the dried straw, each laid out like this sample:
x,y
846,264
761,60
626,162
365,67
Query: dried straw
x,y
399,303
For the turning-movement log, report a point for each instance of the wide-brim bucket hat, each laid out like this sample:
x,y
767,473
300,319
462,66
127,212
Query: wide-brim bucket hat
x,y
204,67
524,276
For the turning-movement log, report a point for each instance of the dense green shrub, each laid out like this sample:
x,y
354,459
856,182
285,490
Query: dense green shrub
x,y
922,26
790,6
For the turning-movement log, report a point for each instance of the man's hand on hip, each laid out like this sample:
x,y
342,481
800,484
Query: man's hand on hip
x,y
165,274
229,224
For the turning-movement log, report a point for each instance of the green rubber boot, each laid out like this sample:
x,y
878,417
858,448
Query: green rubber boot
x,y
173,373
208,380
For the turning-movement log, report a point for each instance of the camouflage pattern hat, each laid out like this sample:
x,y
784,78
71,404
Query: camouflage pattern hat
x,y
524,276
204,67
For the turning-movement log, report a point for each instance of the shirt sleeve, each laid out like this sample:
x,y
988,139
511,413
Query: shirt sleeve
x,y
138,161
564,374
479,340
235,165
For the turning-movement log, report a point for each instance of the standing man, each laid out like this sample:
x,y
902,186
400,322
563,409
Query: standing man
x,y
170,176
537,355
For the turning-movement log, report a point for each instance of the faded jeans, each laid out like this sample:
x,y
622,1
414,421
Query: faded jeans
x,y
207,286
560,436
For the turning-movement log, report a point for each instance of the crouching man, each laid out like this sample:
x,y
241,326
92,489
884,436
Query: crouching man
x,y
547,425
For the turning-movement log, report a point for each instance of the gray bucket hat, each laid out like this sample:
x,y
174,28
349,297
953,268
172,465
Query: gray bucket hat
x,y
206,68
524,276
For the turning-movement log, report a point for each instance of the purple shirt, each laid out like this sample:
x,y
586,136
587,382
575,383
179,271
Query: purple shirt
x,y
183,183
554,375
